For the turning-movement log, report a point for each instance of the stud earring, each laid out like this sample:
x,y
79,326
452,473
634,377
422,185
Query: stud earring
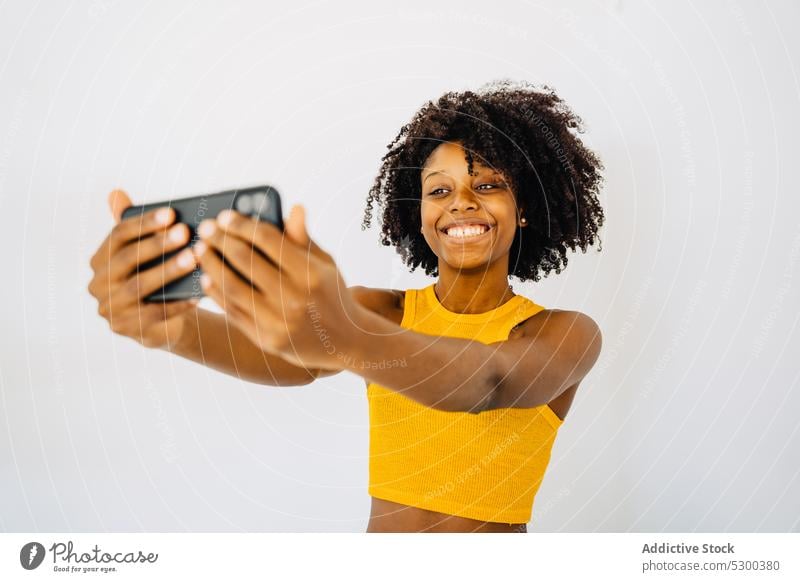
x,y
523,220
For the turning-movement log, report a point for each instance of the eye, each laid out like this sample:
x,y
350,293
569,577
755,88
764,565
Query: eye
x,y
498,185
435,191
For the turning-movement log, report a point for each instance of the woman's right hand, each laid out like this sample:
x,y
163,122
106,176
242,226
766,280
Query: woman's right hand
x,y
119,289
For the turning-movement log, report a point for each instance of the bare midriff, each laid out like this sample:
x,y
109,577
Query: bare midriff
x,y
388,516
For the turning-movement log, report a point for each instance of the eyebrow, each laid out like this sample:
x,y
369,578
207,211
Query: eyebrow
x,y
479,168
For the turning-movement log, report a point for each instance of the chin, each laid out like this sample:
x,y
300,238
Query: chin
x,y
468,264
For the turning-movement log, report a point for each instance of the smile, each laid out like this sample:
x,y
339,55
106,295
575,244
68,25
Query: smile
x,y
467,232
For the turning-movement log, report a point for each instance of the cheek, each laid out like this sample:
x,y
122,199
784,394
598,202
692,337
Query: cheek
x,y
429,214
506,217
505,213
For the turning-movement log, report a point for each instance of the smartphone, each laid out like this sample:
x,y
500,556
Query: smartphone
x,y
260,202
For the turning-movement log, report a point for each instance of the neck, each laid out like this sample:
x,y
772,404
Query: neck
x,y
463,291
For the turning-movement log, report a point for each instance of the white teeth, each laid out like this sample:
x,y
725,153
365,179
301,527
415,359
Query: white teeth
x,y
465,231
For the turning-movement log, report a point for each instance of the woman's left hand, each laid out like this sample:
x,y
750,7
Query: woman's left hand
x,y
288,296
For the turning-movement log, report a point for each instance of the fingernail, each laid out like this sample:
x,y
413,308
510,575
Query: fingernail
x,y
163,215
206,228
186,259
176,233
205,281
225,217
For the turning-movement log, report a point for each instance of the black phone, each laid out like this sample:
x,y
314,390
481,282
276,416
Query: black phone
x,y
260,202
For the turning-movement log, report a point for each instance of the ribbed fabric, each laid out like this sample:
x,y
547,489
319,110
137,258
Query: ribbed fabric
x,y
485,466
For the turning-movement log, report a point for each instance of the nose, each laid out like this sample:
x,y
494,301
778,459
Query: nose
x,y
463,200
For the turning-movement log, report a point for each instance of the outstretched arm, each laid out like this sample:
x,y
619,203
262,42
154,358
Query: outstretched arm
x,y
119,285
287,295
209,339
555,351
212,340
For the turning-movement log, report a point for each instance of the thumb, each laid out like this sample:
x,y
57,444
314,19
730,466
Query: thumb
x,y
118,201
295,228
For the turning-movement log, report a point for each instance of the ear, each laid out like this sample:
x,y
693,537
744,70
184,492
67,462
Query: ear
x,y
522,217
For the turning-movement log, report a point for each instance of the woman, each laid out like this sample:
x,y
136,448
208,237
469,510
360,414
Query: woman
x,y
468,382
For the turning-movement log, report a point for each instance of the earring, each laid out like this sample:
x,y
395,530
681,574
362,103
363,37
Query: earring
x,y
523,220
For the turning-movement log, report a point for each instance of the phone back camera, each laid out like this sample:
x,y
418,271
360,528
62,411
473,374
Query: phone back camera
x,y
256,204
244,204
260,204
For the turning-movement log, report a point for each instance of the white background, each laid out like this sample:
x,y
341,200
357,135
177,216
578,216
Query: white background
x,y
687,423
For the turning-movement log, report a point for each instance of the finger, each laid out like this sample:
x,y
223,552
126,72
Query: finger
x,y
118,201
252,320
231,287
265,236
134,289
295,229
213,292
241,255
239,316
131,229
128,259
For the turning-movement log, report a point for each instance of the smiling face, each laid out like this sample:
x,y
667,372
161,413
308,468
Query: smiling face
x,y
469,222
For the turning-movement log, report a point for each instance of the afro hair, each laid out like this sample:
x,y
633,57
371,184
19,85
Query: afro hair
x,y
525,132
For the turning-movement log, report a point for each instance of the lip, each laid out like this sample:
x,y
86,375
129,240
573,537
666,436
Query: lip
x,y
467,239
465,222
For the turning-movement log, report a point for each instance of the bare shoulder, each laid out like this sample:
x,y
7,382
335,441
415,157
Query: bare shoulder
x,y
561,322
579,342
385,302
573,335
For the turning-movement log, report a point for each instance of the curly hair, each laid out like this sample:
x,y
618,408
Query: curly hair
x,y
520,130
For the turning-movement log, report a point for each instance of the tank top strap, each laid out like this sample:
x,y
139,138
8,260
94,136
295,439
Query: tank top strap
x,y
409,308
525,309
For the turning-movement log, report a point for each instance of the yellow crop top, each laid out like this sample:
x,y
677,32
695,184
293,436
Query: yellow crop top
x,y
485,466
